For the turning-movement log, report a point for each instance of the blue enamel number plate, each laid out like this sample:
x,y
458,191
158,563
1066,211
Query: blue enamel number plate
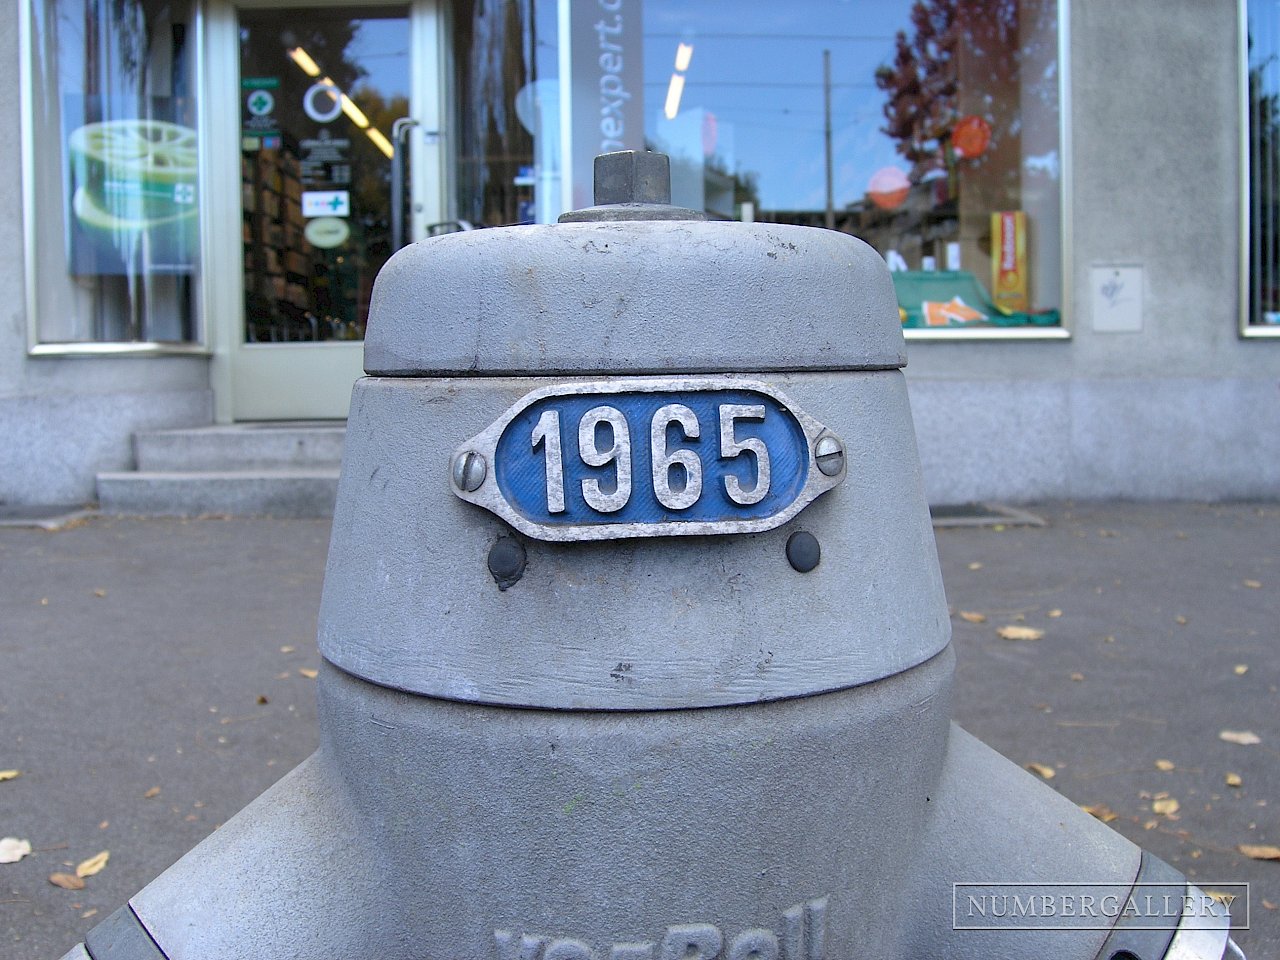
x,y
649,457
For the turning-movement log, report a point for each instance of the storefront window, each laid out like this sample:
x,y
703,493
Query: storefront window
x,y
929,128
112,168
1262,301
319,102
507,112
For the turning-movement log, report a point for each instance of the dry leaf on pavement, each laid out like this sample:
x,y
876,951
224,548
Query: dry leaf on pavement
x,y
1077,677
1253,584
1165,765
94,865
1165,806
1044,770
309,673
66,881
12,849
970,616
1256,851
1241,669
1055,613
1102,812
9,775
975,565
153,792
1234,780
1014,632
1245,738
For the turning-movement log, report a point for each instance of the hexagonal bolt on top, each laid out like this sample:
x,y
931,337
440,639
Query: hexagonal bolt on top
x,y
632,176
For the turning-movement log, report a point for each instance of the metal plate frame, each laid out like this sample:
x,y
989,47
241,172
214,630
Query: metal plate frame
x,y
489,496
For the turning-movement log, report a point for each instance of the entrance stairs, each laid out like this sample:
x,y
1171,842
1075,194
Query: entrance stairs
x,y
276,469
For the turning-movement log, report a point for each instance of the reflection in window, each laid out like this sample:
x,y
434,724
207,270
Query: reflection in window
x,y
944,136
506,112
116,227
1264,160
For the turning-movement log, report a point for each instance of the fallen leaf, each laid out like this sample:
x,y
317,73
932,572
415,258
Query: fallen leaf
x,y
1165,765
1270,906
1108,639
1245,738
1241,669
1234,780
287,649
1043,769
1166,806
1077,676
1151,825
66,881
191,818
89,913
44,601
969,616
975,565
94,865
283,676
153,792
1259,851
1253,584
99,592
1222,896
12,849
1102,812
1180,620
1055,614
309,673
104,824
1011,632
9,775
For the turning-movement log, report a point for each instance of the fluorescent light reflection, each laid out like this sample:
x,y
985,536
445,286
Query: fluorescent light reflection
x,y
684,54
303,60
674,93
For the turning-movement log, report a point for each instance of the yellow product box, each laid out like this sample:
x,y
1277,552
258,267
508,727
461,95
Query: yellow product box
x,y
1009,261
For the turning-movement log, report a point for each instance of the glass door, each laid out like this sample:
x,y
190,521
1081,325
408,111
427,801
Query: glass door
x,y
319,91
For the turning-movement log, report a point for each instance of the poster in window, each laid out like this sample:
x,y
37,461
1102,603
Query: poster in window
x,y
131,187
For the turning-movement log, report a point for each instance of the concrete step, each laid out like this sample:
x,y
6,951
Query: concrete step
x,y
302,492
242,446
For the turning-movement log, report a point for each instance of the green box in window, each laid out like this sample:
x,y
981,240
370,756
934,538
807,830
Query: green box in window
x,y
955,298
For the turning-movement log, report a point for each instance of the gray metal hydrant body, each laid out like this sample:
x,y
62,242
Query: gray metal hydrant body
x,y
553,743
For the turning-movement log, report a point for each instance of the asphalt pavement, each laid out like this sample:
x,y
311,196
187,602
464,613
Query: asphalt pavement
x,y
157,675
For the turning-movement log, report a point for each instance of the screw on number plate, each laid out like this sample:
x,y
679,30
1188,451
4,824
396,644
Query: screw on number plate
x,y
469,469
829,452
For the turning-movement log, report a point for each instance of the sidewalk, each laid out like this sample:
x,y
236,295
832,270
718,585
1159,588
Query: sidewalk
x,y
170,654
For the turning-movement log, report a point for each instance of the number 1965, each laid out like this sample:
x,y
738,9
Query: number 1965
x,y
546,434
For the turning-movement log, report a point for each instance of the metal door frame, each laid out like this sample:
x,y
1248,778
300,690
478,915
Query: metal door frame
x,y
278,381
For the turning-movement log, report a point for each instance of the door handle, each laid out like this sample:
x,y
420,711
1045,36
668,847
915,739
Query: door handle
x,y
399,139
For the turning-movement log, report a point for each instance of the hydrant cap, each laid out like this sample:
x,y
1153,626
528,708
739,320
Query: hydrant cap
x,y
623,288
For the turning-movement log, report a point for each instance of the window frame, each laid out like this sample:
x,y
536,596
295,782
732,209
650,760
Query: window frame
x,y
1247,329
32,207
1065,206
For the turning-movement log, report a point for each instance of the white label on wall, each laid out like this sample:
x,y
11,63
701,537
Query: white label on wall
x,y
1116,292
